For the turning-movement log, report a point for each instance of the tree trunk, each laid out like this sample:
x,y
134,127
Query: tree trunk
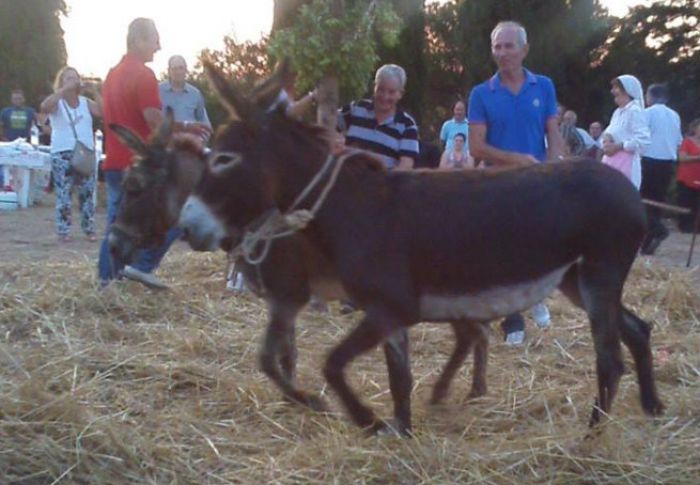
x,y
285,11
327,95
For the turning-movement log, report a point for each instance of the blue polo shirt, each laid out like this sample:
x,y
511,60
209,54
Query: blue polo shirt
x,y
515,122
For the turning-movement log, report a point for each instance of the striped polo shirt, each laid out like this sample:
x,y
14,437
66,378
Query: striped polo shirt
x,y
395,137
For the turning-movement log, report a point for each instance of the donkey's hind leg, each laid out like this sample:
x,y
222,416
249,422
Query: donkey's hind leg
x,y
468,336
278,354
597,287
636,334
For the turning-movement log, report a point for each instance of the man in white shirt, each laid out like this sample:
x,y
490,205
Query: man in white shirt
x,y
658,159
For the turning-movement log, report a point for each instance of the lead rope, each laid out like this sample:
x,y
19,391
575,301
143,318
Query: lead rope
x,y
257,240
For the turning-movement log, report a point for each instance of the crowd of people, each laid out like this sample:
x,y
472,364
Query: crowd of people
x,y
512,119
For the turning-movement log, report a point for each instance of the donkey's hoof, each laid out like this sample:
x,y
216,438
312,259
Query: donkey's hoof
x,y
439,395
316,403
656,408
476,391
392,429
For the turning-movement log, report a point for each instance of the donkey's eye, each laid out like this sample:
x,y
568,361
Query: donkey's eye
x,y
222,161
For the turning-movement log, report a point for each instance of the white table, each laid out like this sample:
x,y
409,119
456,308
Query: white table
x,y
24,159
27,161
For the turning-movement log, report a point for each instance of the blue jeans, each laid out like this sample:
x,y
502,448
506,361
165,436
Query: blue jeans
x,y
147,259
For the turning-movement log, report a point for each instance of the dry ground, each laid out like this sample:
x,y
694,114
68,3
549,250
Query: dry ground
x,y
131,386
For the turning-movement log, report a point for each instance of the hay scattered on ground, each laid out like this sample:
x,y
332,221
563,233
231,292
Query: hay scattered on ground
x,y
131,386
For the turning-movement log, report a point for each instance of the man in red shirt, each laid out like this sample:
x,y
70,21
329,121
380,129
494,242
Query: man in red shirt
x,y
131,98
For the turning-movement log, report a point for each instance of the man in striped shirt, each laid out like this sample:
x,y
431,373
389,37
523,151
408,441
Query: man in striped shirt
x,y
378,125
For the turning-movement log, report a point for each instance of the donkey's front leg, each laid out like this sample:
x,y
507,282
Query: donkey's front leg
x,y
278,354
376,326
398,363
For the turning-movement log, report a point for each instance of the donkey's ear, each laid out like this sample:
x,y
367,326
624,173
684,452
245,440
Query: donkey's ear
x,y
237,105
165,131
130,139
267,92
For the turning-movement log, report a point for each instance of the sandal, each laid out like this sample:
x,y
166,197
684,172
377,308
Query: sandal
x,y
64,238
91,238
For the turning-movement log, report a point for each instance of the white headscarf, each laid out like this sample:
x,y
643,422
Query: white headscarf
x,y
633,88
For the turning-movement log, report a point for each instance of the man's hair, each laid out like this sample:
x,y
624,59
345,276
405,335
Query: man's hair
x,y
658,92
511,24
139,29
391,71
573,114
460,135
176,57
17,91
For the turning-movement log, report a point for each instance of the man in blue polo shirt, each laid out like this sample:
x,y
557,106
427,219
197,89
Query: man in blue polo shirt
x,y
510,116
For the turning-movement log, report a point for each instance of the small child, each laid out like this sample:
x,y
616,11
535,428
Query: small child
x,y
621,161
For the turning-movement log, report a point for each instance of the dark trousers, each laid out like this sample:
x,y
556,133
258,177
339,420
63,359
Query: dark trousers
x,y
687,197
513,323
656,176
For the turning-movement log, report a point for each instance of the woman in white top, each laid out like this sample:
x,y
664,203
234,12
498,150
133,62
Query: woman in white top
x,y
457,157
628,125
64,105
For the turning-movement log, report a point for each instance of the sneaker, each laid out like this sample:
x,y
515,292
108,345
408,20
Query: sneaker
x,y
317,305
347,308
540,314
148,279
236,283
515,339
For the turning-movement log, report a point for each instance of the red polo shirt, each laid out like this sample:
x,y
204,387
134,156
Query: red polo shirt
x,y
130,88
689,172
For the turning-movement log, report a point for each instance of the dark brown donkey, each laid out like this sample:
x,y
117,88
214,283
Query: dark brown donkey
x,y
155,189
429,246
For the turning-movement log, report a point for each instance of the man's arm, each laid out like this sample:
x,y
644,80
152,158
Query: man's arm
x,y
481,150
405,163
153,117
555,142
201,111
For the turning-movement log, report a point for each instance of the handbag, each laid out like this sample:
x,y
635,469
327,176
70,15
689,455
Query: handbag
x,y
82,161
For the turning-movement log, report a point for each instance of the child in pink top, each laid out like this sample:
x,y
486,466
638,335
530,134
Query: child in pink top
x,y
621,161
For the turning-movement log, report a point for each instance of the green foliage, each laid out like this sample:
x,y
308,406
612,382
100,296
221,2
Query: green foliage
x,y
659,43
244,63
324,41
33,49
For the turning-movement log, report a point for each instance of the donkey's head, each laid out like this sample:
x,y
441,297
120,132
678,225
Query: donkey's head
x,y
155,188
255,160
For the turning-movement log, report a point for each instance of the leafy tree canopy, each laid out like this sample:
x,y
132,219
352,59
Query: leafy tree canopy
x,y
33,49
326,39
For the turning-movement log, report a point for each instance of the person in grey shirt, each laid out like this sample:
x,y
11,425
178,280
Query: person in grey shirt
x,y
185,99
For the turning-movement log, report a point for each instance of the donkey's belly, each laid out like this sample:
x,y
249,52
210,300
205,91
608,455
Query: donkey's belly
x,y
490,303
328,289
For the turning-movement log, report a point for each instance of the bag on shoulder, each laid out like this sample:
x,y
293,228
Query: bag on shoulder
x,y
83,160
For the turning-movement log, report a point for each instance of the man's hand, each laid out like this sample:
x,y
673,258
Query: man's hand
x,y
611,149
196,128
524,160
